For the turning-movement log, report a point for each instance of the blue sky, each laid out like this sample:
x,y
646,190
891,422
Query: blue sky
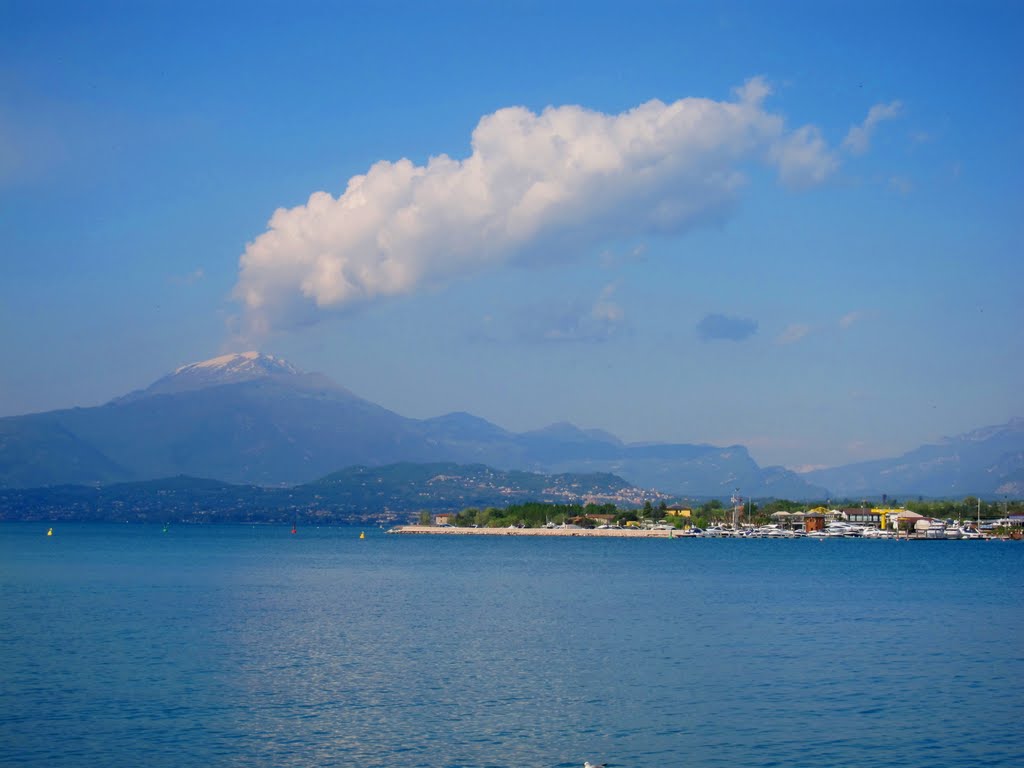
x,y
795,226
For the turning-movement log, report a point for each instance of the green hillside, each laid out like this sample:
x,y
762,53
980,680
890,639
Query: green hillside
x,y
391,493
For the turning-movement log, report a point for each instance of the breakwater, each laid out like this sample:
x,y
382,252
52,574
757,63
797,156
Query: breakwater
x,y
621,533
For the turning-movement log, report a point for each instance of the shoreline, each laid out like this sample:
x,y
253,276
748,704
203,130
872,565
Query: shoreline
x,y
625,533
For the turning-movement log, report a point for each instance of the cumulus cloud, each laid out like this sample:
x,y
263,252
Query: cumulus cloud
x,y
534,187
723,327
858,139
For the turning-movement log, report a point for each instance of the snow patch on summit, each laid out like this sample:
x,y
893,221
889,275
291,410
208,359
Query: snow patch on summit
x,y
220,362
240,362
234,368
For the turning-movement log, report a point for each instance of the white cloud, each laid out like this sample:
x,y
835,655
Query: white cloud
x,y
803,158
535,187
858,139
792,333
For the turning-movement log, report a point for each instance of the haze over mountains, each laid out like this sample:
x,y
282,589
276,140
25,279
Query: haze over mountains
x,y
988,461
255,418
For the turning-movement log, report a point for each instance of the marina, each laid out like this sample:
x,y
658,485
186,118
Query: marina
x,y
830,531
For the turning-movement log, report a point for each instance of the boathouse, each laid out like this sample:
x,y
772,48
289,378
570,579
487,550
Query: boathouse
x,y
814,521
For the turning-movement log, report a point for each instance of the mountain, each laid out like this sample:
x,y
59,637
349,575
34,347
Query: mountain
x,y
686,470
985,462
239,418
446,485
38,451
255,418
394,492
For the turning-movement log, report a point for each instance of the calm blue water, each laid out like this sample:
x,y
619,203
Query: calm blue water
x,y
124,646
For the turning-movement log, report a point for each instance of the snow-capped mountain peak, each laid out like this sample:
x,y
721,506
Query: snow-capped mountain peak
x,y
233,368
239,365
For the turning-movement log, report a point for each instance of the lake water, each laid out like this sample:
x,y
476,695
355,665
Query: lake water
x,y
241,646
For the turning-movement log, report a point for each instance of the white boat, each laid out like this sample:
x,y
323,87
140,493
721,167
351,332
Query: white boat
x,y
839,528
879,533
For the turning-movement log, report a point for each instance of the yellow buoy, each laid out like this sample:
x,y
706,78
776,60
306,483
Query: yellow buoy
x,y
362,535
50,532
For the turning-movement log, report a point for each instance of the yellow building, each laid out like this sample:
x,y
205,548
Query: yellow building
x,y
678,510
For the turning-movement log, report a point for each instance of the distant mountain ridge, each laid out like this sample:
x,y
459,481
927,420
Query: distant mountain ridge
x,y
987,461
255,418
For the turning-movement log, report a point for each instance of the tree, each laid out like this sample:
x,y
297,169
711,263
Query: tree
x,y
424,517
467,517
710,510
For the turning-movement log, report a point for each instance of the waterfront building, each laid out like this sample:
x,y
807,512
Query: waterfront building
x,y
678,510
864,516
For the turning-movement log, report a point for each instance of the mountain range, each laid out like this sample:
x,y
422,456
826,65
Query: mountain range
x,y
391,493
987,462
256,419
